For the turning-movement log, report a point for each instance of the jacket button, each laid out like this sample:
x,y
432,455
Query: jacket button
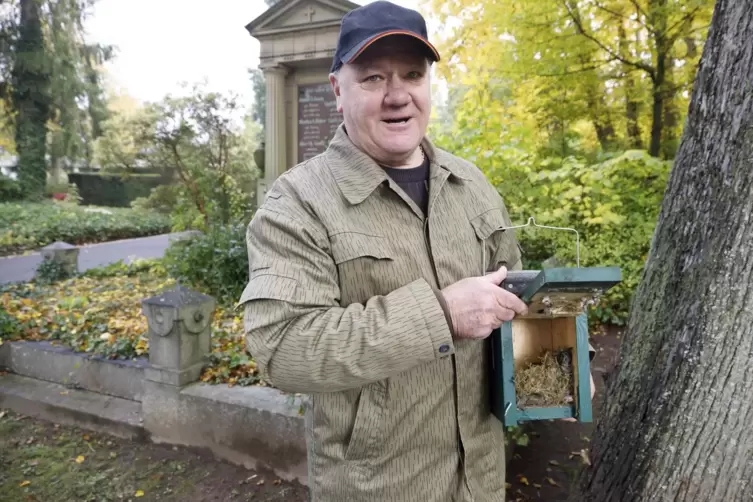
x,y
444,348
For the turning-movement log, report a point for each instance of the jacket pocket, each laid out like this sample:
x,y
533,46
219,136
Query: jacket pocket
x,y
496,245
368,423
347,246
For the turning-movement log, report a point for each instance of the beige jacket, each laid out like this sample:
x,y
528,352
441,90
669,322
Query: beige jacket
x,y
341,305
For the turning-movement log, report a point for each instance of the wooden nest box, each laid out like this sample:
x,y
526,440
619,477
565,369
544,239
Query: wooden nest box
x,y
540,361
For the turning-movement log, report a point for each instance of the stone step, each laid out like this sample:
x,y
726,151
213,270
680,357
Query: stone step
x,y
82,408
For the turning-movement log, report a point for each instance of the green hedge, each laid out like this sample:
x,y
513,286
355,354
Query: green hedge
x,y
113,190
30,226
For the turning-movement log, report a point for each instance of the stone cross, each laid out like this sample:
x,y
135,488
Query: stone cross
x,y
310,14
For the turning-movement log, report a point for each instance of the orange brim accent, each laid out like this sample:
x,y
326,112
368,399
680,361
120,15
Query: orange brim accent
x,y
394,32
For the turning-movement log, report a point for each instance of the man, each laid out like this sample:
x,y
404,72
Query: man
x,y
374,273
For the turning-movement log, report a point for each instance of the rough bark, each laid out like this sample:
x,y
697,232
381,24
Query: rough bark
x,y
676,424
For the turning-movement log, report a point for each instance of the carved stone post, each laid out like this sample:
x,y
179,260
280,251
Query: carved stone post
x,y
63,253
179,335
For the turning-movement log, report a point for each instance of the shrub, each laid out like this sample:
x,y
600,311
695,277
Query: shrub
x,y
215,263
113,190
10,189
26,226
614,205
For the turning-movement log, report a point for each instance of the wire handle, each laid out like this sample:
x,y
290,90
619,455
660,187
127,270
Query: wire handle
x,y
532,221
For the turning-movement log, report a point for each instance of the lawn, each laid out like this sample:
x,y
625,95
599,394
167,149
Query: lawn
x,y
28,226
99,312
44,462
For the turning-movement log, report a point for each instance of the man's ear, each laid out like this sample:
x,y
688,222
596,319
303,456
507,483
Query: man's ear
x,y
334,82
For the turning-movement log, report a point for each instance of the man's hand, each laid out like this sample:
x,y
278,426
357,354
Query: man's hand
x,y
478,305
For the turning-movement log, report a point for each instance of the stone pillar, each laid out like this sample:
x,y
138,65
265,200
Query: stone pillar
x,y
180,332
275,144
63,253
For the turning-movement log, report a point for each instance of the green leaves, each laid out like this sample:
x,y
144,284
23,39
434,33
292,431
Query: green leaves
x,y
29,226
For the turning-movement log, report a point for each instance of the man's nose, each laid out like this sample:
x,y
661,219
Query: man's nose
x,y
396,93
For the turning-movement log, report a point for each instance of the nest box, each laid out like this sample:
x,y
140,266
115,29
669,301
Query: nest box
x,y
540,361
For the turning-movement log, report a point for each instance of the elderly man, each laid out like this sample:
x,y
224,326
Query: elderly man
x,y
374,273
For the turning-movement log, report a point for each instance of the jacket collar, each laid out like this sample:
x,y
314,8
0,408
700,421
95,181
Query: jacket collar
x,y
357,175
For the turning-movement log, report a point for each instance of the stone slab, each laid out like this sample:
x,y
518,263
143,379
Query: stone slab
x,y
5,356
59,404
251,426
53,363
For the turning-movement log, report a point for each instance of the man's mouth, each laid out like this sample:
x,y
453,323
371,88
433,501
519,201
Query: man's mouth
x,y
398,120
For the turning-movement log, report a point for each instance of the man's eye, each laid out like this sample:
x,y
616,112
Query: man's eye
x,y
372,78
414,75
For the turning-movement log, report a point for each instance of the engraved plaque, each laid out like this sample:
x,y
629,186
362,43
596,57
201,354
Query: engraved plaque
x,y
318,119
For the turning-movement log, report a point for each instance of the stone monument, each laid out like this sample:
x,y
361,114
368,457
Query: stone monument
x,y
298,40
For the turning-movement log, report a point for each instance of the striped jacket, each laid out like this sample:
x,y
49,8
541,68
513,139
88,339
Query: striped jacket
x,y
341,304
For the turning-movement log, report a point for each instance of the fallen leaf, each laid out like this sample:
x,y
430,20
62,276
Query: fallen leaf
x,y
24,483
2,414
584,457
80,459
523,480
86,437
139,493
551,481
64,393
276,482
554,462
260,482
537,485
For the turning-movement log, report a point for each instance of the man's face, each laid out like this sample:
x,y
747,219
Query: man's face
x,y
385,98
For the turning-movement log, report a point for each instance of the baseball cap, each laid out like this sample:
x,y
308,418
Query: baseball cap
x,y
364,25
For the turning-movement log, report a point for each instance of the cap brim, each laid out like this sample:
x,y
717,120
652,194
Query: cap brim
x,y
356,51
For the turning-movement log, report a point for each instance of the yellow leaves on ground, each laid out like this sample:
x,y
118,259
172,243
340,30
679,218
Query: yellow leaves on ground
x,y
139,493
103,316
80,459
24,483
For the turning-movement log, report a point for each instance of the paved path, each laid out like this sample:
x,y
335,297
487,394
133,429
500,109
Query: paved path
x,y
22,268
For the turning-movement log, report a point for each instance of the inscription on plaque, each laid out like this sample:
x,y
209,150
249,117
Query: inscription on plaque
x,y
318,119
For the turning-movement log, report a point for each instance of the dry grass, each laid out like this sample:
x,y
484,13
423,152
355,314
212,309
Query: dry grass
x,y
544,383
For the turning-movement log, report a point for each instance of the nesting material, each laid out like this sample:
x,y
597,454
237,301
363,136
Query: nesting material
x,y
547,382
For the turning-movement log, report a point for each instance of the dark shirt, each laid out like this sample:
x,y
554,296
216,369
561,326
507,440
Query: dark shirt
x,y
414,181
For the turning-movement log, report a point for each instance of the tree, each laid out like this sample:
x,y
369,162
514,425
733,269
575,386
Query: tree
x,y
51,85
31,74
676,418
620,67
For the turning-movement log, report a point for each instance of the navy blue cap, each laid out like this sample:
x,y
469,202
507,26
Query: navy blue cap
x,y
365,25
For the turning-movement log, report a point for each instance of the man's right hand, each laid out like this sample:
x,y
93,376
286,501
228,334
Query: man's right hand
x,y
478,305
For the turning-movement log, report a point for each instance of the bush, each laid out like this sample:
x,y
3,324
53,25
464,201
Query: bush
x,y
614,205
215,263
10,189
113,190
30,226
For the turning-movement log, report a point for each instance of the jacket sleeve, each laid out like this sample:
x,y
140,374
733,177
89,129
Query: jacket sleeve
x,y
300,336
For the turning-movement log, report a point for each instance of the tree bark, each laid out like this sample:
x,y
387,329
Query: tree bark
x,y
676,423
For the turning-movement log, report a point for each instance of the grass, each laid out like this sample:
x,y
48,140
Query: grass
x,y
26,226
44,462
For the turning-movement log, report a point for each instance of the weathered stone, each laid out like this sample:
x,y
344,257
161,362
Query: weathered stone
x,y
179,335
250,426
63,253
58,364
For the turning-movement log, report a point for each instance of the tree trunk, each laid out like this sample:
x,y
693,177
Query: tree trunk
x,y
633,130
31,98
676,423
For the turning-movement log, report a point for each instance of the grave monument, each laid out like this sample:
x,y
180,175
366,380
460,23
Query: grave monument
x,y
298,40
